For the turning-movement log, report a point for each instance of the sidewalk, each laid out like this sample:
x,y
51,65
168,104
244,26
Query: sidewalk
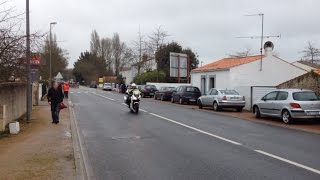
x,y
41,150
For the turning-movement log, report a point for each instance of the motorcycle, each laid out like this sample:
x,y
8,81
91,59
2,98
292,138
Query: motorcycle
x,y
134,102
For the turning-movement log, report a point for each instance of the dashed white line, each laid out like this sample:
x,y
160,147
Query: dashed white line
x,y
289,162
143,110
196,129
103,96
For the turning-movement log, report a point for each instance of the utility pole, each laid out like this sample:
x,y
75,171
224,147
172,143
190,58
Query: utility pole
x,y
50,52
29,83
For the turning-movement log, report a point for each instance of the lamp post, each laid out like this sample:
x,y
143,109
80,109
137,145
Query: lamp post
x,y
50,52
29,85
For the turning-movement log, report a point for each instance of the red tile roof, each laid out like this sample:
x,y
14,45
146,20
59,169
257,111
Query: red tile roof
x,y
227,63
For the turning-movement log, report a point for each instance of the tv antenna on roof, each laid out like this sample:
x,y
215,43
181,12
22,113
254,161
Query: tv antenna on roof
x,y
262,35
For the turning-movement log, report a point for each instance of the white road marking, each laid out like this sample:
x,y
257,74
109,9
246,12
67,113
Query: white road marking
x,y
288,161
195,129
103,96
143,110
78,92
124,104
71,92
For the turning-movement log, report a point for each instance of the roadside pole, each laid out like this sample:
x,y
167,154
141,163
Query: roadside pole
x,y
29,85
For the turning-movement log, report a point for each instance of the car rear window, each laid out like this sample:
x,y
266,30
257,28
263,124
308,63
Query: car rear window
x,y
192,89
305,96
229,92
107,84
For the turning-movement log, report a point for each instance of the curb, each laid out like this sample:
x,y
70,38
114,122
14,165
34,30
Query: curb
x,y
83,169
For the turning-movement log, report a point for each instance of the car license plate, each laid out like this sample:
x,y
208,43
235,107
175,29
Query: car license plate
x,y
192,100
151,94
313,113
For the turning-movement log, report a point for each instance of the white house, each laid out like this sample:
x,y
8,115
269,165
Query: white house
x,y
243,73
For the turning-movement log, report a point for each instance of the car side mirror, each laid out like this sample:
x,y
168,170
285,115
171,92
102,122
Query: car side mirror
x,y
264,99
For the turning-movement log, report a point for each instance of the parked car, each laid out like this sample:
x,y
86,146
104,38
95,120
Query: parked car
x,y
107,87
222,98
164,93
288,104
189,94
147,90
93,86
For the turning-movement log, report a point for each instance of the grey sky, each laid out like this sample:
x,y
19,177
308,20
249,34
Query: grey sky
x,y
209,27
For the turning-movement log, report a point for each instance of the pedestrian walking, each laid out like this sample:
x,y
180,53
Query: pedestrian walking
x,y
55,98
66,87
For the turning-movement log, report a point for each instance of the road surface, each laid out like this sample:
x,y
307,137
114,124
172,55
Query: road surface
x,y
168,141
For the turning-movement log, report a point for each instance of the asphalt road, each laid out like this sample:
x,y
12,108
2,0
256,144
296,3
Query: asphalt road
x,y
168,141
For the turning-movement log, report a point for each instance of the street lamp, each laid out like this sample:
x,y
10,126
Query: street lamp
x,y
50,70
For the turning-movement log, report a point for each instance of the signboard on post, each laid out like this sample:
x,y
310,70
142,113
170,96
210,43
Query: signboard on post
x,y
179,65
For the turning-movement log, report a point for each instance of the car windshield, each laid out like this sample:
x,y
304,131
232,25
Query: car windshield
x,y
229,92
107,84
192,89
305,96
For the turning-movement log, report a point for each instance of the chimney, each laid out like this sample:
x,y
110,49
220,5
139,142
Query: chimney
x,y
268,48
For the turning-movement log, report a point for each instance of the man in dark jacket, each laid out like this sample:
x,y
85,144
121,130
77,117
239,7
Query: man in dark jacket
x,y
55,97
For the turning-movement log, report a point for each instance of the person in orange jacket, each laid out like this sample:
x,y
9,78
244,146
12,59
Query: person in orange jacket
x,y
66,88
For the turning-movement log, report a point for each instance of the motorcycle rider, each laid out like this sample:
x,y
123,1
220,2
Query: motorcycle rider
x,y
133,88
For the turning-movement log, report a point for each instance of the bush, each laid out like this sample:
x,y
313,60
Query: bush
x,y
150,76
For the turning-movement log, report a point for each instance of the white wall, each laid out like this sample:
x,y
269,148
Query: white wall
x,y
159,85
222,79
274,71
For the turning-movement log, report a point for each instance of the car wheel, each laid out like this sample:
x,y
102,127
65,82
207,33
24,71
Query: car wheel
x,y
216,106
257,112
286,117
172,100
200,104
239,109
180,101
161,98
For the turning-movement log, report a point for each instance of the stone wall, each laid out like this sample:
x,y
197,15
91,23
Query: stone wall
x,y
310,81
12,102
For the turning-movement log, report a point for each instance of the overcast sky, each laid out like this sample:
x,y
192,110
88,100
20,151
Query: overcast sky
x,y
209,27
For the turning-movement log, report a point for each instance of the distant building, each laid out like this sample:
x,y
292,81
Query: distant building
x,y
129,73
244,72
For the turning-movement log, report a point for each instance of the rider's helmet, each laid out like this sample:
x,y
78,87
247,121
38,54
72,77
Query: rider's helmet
x,y
133,86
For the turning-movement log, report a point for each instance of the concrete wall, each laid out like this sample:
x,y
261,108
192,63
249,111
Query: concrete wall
x,y
308,81
12,102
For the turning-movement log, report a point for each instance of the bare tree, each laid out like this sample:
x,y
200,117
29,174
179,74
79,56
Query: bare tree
x,y
311,53
106,53
121,54
140,52
12,44
240,54
95,43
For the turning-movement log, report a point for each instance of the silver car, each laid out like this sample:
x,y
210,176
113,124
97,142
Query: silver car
x,y
222,98
107,87
288,104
